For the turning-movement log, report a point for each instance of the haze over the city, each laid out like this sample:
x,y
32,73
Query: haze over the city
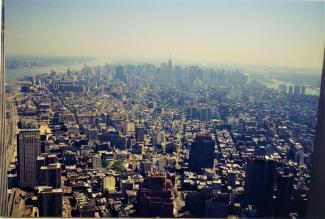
x,y
162,108
275,33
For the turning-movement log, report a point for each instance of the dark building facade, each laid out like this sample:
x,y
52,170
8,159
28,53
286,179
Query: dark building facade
x,y
28,150
217,207
50,202
48,171
155,198
202,153
283,195
139,133
259,185
316,205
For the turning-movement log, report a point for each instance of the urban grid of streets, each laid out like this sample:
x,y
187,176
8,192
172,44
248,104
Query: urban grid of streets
x,y
113,129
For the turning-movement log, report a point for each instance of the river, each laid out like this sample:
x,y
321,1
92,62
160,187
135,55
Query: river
x,y
274,83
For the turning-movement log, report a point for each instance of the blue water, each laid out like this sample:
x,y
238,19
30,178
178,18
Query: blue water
x,y
13,74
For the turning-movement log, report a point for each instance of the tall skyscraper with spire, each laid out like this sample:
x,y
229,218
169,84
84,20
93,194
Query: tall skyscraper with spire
x,y
316,203
3,155
170,71
170,64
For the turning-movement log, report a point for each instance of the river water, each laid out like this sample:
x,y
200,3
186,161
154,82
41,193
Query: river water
x,y
13,74
274,83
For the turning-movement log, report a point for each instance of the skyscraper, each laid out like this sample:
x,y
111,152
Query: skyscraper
x,y
296,90
119,72
202,153
50,202
48,171
170,67
95,161
283,195
316,203
217,207
259,185
139,133
303,91
155,197
290,90
28,150
3,169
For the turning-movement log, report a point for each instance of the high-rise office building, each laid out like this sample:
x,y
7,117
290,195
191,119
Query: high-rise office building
x,y
96,161
259,185
139,133
202,153
3,153
283,88
217,207
290,90
28,143
296,90
170,65
155,198
283,195
316,203
303,90
50,202
119,73
49,175
48,170
170,71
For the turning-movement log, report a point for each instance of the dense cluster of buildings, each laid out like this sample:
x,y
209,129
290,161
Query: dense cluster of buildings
x,y
159,141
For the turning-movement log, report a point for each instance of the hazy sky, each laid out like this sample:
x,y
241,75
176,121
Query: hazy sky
x,y
283,33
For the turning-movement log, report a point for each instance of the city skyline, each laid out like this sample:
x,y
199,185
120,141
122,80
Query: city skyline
x,y
154,133
165,108
286,33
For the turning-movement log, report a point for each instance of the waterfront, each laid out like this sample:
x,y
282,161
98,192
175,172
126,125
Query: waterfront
x,y
274,83
14,74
